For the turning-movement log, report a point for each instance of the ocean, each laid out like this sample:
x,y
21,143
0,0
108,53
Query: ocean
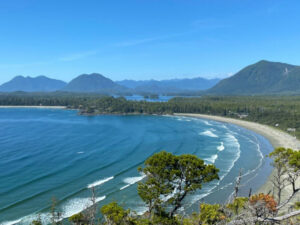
x,y
46,153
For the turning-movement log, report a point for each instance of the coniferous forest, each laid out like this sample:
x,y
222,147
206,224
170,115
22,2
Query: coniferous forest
x,y
282,112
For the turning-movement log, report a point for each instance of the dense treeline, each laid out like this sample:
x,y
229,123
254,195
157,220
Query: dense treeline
x,y
282,112
71,100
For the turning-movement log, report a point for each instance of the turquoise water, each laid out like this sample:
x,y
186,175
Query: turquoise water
x,y
46,153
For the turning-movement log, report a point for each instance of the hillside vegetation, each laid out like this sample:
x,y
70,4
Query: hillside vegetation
x,y
170,178
260,78
279,112
93,83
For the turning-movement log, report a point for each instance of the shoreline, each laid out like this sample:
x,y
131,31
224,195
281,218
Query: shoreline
x,y
31,107
276,137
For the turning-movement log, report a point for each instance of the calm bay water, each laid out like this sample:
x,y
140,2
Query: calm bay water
x,y
46,153
160,98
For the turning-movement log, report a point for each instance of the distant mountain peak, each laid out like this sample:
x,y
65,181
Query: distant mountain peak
x,y
32,84
94,83
18,77
263,77
263,61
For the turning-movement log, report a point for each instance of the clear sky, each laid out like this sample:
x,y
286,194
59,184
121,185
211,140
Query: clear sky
x,y
144,39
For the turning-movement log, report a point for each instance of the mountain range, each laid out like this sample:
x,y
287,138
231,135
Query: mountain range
x,y
170,86
29,84
97,83
261,78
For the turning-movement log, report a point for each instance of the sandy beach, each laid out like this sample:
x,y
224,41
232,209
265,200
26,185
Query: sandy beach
x,y
276,137
33,107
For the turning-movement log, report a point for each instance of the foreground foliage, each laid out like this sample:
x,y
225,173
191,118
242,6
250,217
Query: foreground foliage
x,y
170,178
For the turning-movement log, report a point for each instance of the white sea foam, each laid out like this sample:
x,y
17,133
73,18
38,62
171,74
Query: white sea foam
x,y
166,198
234,147
141,210
80,152
169,116
132,180
44,217
185,119
209,134
70,208
11,222
225,186
260,161
221,147
199,197
126,186
259,151
207,123
99,182
232,140
77,205
212,159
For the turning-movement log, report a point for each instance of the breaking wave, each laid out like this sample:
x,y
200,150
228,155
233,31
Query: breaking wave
x,y
132,180
221,147
212,159
71,207
207,123
209,134
235,143
77,205
99,182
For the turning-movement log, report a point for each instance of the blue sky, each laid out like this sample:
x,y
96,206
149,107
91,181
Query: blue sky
x,y
144,39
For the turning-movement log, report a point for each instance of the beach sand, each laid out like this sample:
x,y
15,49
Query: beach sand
x,y
276,137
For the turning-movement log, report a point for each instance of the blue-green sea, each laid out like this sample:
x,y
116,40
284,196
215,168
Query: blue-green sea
x,y
46,153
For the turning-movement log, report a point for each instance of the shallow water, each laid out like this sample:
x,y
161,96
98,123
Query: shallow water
x,y
46,153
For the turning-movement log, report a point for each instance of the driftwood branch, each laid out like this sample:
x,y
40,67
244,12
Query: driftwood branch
x,y
289,199
268,219
281,218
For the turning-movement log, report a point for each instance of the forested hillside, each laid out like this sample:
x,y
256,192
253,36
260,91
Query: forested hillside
x,y
93,83
280,112
32,84
260,78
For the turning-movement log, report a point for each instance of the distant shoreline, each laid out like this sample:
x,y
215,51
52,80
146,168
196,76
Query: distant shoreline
x,y
275,136
32,107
